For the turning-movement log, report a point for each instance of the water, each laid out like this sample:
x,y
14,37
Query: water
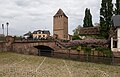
x,y
85,58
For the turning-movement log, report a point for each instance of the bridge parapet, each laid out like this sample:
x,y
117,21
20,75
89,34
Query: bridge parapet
x,y
28,47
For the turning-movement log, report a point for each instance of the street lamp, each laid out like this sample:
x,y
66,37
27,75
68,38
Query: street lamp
x,y
7,27
3,28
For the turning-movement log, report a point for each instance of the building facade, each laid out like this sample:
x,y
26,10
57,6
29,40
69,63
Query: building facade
x,y
60,25
41,34
115,35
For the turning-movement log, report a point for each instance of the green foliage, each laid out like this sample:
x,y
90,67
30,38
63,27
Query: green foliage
x,y
106,12
76,30
106,51
99,49
87,19
30,35
117,9
78,48
76,37
87,50
74,47
17,37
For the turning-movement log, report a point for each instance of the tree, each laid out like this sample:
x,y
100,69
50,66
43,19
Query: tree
x,y
76,33
76,37
77,30
30,35
106,13
117,9
87,19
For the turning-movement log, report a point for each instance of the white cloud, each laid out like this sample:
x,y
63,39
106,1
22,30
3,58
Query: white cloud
x,y
29,15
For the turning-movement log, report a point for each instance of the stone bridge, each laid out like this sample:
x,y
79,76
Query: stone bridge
x,y
32,47
35,46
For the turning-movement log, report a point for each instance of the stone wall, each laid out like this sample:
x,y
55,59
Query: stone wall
x,y
28,47
24,48
60,25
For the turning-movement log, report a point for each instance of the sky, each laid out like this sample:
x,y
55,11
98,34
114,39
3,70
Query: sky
x,y
30,15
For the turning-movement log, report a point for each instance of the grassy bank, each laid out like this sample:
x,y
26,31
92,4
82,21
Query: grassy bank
x,y
18,65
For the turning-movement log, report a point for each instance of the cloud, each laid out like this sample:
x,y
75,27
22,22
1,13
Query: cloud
x,y
29,15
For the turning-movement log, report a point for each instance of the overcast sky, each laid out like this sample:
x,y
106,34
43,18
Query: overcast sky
x,y
30,15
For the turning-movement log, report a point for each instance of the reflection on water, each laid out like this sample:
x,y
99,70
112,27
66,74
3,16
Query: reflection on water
x,y
94,59
47,53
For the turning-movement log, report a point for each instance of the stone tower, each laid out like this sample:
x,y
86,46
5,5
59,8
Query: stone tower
x,y
60,25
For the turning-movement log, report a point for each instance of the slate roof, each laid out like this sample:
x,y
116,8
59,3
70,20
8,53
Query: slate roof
x,y
116,20
60,13
41,31
45,32
35,32
27,34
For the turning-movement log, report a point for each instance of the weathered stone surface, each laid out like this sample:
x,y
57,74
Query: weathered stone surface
x,y
60,25
29,47
116,54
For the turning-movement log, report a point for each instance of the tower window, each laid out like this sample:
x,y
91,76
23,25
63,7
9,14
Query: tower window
x,y
39,36
114,44
43,35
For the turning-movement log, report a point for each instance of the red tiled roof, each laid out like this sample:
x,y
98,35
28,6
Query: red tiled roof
x,y
89,30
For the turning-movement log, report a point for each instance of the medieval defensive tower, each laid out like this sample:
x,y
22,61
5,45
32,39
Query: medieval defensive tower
x,y
60,25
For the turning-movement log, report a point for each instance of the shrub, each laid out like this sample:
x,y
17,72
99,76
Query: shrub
x,y
106,51
76,37
87,50
89,41
79,48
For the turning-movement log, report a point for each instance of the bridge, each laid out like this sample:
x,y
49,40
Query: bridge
x,y
45,47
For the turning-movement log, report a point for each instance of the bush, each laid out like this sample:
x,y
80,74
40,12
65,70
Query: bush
x,y
74,47
106,51
87,50
100,42
76,37
99,49
79,48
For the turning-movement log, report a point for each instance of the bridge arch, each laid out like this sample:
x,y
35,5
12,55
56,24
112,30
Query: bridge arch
x,y
44,50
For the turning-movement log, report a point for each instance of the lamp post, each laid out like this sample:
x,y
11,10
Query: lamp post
x,y
7,27
3,37
3,29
